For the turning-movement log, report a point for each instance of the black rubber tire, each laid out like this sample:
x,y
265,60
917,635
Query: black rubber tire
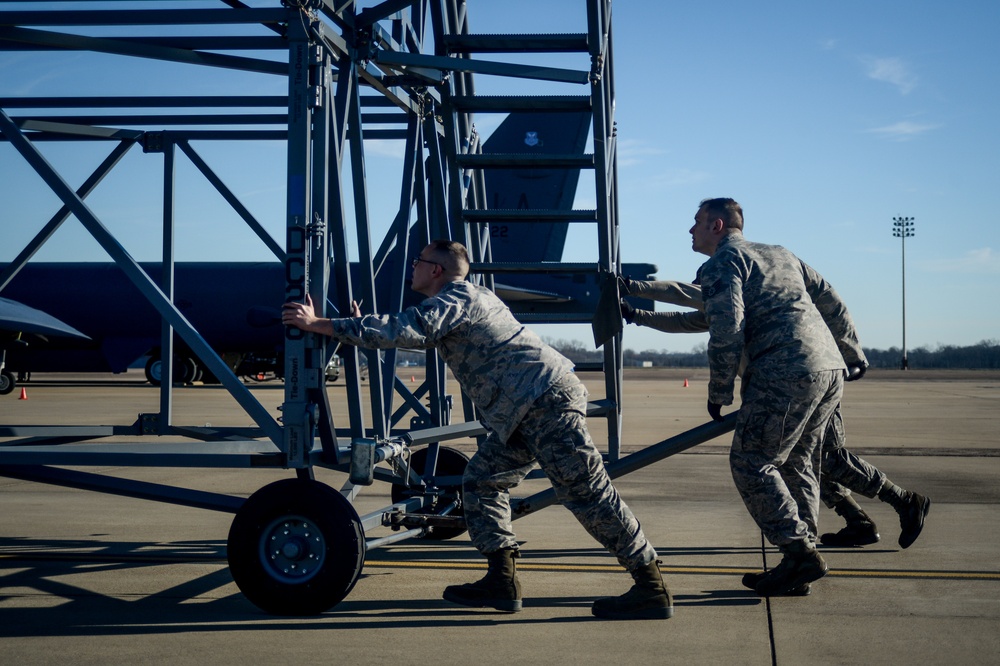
x,y
7,382
296,547
450,463
185,370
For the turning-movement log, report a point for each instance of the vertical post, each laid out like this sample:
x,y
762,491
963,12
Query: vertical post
x,y
297,416
903,228
167,286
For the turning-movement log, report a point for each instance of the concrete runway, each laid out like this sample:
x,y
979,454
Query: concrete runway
x,y
87,578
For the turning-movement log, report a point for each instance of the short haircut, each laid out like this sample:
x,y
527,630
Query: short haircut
x,y
452,256
725,209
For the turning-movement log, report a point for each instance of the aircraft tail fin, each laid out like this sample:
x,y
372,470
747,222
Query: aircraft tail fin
x,y
545,133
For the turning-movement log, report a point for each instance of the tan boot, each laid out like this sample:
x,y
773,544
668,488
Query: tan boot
x,y
648,599
498,589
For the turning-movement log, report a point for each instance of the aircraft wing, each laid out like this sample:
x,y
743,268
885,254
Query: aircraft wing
x,y
18,317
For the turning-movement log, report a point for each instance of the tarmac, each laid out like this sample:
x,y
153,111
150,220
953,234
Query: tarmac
x,y
89,578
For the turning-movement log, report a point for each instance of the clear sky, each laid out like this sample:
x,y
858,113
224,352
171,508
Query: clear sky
x,y
824,120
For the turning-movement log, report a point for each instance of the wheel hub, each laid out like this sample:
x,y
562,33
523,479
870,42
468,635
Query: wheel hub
x,y
292,549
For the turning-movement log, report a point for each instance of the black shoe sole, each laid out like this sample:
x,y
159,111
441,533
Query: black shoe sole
x,y
831,540
503,605
750,581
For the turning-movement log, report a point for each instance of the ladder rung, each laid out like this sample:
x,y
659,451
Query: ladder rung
x,y
540,267
506,103
550,43
554,317
516,161
600,407
529,215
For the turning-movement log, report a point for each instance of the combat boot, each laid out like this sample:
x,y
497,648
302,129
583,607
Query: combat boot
x,y
751,579
911,507
860,530
498,589
800,565
648,599
861,533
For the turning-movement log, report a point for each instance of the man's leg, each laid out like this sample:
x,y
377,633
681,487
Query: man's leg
x,y
840,464
843,467
494,469
769,425
774,456
557,432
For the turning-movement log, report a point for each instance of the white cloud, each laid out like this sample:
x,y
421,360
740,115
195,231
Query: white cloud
x,y
982,261
892,71
903,130
678,178
633,151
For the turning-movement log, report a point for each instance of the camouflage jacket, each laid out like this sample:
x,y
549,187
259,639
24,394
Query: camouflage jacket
x,y
764,301
502,366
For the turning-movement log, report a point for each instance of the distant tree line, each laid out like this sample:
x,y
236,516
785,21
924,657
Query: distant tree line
x,y
984,355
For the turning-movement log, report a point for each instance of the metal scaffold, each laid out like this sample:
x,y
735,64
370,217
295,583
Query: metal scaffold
x,y
404,71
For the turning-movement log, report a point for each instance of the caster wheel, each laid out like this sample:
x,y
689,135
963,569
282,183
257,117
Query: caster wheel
x,y
450,463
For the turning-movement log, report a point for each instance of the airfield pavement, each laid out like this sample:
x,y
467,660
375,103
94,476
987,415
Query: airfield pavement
x,y
88,578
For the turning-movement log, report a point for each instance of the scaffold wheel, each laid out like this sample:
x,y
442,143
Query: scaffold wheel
x,y
296,547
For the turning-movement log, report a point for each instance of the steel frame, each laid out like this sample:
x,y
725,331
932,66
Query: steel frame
x,y
349,72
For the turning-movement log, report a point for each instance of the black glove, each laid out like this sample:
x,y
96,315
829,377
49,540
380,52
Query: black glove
x,y
856,372
628,312
715,411
624,285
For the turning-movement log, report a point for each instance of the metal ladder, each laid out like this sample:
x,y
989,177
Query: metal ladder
x,y
468,211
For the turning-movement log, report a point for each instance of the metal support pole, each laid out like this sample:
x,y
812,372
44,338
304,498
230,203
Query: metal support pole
x,y
903,228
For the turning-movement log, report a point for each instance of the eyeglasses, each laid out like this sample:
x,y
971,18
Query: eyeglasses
x,y
418,260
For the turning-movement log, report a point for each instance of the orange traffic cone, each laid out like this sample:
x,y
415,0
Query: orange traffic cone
x,y
413,378
685,382
24,394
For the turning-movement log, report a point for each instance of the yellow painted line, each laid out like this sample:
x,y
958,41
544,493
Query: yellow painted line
x,y
523,566
709,571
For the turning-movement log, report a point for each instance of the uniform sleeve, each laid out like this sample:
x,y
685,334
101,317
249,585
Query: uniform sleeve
x,y
684,294
420,327
672,322
834,312
722,290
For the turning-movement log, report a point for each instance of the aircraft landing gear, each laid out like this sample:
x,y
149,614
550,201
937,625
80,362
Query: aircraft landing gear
x,y
296,547
6,382
186,370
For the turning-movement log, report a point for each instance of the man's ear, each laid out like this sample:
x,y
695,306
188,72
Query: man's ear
x,y
718,225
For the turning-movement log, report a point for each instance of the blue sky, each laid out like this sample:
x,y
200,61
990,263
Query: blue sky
x,y
824,120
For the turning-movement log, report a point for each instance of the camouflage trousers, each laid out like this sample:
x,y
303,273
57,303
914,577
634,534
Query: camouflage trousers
x,y
777,448
842,471
554,434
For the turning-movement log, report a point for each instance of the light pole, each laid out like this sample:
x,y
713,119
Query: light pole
x,y
903,228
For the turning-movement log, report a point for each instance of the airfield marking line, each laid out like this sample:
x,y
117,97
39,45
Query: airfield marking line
x,y
523,566
847,573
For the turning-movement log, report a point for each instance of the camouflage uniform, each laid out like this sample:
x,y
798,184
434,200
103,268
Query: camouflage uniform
x,y
842,471
763,301
531,404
